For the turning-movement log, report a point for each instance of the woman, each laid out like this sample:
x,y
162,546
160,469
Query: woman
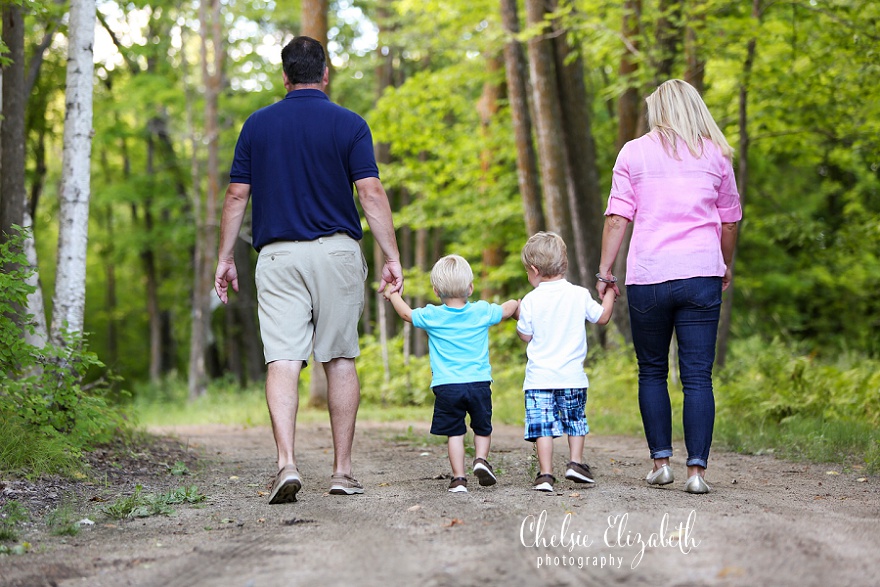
x,y
676,184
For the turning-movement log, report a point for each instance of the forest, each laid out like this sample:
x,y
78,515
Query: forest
x,y
492,120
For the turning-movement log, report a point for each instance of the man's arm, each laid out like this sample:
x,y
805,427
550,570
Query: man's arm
x,y
401,307
234,206
377,210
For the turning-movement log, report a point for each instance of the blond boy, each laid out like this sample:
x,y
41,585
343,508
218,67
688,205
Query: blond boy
x,y
551,321
458,347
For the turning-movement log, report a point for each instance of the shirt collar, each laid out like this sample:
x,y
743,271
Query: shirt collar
x,y
306,93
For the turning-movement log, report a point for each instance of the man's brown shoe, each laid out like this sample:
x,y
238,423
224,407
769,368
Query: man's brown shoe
x,y
287,484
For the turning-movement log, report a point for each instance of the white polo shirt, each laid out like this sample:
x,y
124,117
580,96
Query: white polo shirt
x,y
554,314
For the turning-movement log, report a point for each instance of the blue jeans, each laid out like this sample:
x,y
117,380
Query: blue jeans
x,y
691,307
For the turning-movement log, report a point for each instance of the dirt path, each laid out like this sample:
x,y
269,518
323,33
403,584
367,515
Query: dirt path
x,y
767,522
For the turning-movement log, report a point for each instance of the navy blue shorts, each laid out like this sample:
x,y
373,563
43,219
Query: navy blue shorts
x,y
454,400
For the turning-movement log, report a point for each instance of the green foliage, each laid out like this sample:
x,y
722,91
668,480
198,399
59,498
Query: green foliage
x,y
143,505
179,469
773,398
773,383
42,389
12,514
62,521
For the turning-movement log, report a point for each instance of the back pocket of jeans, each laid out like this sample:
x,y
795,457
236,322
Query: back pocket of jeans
x,y
642,298
704,292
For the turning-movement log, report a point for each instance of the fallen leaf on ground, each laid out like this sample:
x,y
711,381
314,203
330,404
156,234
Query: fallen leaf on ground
x,y
233,478
454,522
731,572
832,473
575,494
862,479
414,508
384,484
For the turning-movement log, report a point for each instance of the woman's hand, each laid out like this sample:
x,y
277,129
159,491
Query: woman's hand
x,y
728,277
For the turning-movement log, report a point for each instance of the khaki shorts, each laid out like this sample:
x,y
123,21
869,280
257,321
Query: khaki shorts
x,y
311,296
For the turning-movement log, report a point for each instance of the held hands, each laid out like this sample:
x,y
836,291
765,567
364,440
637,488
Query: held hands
x,y
226,273
392,279
603,287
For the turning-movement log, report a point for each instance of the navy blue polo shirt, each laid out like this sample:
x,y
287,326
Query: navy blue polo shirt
x,y
301,156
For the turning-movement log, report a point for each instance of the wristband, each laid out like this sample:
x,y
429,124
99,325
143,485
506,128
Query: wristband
x,y
603,280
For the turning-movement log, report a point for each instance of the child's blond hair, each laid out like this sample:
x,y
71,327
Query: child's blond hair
x,y
452,277
546,251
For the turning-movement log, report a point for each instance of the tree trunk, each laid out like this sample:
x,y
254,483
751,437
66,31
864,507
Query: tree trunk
x,y
696,63
630,113
742,179
313,18
246,313
73,224
584,197
420,340
518,92
487,108
206,232
669,36
550,132
13,197
313,23
36,305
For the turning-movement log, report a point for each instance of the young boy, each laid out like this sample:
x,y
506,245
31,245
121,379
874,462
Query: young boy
x,y
458,346
551,320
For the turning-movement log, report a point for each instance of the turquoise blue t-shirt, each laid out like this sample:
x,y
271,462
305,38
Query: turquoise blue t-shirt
x,y
458,340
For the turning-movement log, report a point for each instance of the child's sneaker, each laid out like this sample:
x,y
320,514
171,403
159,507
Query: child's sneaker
x,y
458,485
484,473
578,472
544,482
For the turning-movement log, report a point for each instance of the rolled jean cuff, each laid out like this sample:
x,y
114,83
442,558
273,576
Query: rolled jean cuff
x,y
662,454
697,462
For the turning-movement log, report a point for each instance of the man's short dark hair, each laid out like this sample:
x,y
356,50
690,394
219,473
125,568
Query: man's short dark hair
x,y
303,61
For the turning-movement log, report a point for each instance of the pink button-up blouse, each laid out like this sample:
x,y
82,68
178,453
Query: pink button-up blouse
x,y
677,207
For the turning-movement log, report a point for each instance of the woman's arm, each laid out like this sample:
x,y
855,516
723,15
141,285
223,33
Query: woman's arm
x,y
728,251
612,238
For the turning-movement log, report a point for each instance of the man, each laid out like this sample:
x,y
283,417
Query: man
x,y
299,158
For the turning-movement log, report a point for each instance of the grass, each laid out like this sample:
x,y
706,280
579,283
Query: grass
x,y
770,398
28,452
11,514
853,445
143,505
62,521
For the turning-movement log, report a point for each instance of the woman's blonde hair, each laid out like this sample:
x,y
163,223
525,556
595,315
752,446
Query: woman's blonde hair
x,y
546,251
452,277
676,111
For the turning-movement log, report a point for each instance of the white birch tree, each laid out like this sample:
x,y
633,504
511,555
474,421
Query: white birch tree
x,y
73,223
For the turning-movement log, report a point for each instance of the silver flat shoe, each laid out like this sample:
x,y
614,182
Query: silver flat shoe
x,y
696,484
662,476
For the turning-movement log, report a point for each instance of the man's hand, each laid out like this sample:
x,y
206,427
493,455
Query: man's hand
x,y
392,278
226,273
